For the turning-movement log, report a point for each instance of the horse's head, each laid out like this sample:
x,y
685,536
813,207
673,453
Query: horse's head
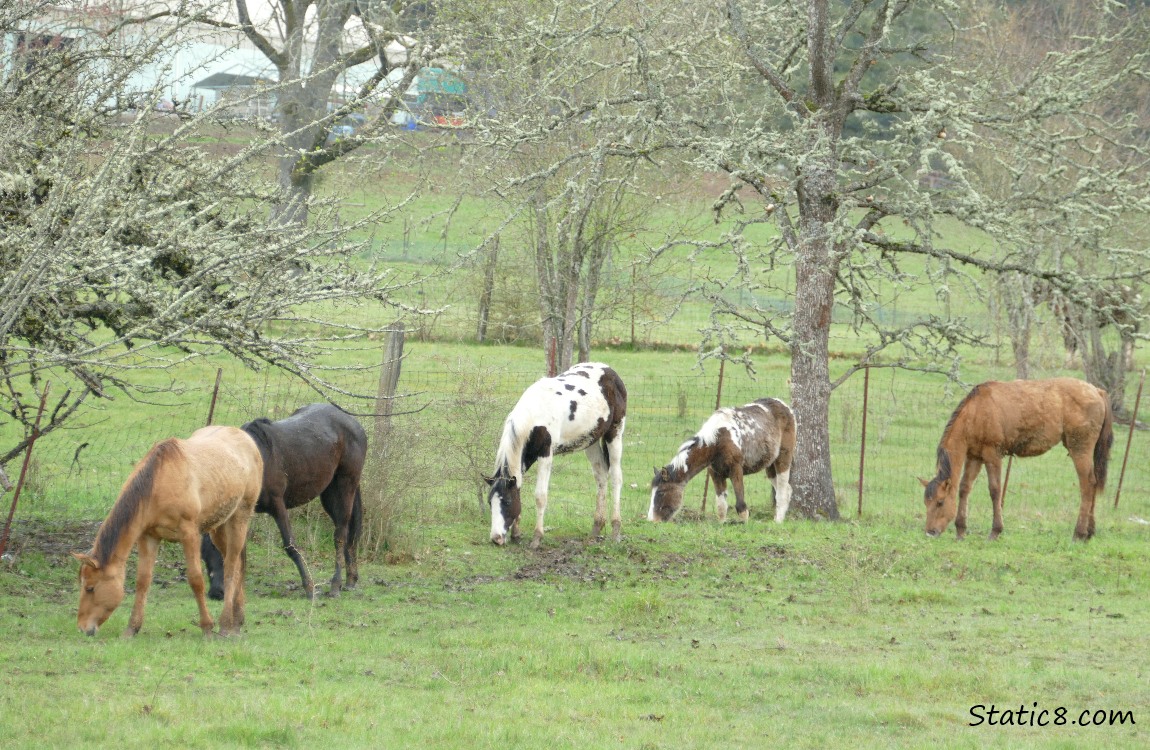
x,y
505,507
941,507
101,591
666,496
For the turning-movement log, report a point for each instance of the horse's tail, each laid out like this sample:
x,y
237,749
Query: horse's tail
x,y
1102,445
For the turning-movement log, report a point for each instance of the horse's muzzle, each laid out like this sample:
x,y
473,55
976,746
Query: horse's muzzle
x,y
90,631
498,539
932,533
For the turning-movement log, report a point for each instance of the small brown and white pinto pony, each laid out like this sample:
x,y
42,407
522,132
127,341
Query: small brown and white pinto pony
x,y
1019,418
180,489
584,409
732,443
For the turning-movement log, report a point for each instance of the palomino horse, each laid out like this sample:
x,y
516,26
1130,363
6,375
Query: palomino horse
x,y
584,409
731,444
181,489
319,451
1020,418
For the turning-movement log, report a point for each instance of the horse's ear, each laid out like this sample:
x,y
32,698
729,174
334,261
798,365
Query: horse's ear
x,y
489,480
922,481
664,474
511,482
86,560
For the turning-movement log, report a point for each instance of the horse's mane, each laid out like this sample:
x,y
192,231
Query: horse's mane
x,y
944,468
137,489
257,429
510,447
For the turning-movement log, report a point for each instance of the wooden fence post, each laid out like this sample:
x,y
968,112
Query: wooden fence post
x,y
388,382
24,468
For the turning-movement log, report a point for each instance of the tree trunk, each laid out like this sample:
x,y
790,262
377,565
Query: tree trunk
x,y
487,291
815,269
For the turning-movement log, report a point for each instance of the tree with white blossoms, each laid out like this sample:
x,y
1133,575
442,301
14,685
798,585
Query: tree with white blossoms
x,y
126,246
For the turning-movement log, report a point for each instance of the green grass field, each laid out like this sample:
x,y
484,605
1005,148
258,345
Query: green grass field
x,y
861,633
690,634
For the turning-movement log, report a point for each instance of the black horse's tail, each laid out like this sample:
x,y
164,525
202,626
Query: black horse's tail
x,y
1102,446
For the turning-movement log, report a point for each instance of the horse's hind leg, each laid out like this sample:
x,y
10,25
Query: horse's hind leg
x,y
720,483
781,481
993,480
1084,465
230,538
146,562
615,471
599,469
339,502
191,540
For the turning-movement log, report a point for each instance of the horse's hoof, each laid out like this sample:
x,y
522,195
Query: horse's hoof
x,y
129,632
536,542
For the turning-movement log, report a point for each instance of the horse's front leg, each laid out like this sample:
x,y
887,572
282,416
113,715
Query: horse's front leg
x,y
969,474
720,483
147,548
542,480
993,480
740,501
190,538
283,523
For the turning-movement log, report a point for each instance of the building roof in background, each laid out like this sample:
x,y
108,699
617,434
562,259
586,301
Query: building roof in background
x,y
223,81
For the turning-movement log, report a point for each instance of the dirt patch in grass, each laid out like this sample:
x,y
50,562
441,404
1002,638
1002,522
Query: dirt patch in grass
x,y
51,538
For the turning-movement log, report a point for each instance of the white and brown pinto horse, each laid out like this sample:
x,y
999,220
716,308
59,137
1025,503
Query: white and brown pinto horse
x,y
732,443
1019,418
178,491
584,409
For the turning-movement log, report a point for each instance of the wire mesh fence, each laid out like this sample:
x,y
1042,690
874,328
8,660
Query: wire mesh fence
x,y
444,439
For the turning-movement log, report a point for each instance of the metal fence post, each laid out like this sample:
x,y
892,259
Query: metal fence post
x,y
718,403
862,448
1129,438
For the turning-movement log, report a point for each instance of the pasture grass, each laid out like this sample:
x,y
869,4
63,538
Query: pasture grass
x,y
684,635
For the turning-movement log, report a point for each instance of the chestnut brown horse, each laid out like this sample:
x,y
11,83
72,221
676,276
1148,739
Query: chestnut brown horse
x,y
1020,418
181,489
731,444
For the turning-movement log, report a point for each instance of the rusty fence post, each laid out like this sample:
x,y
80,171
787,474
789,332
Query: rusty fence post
x,y
215,395
1006,480
24,468
718,403
1130,437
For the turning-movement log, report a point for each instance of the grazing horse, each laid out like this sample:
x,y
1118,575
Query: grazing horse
x,y
319,451
1019,418
181,489
731,444
584,409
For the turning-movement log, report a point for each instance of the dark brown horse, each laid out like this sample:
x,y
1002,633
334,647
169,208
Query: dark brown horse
x,y
731,444
319,451
181,489
1020,418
